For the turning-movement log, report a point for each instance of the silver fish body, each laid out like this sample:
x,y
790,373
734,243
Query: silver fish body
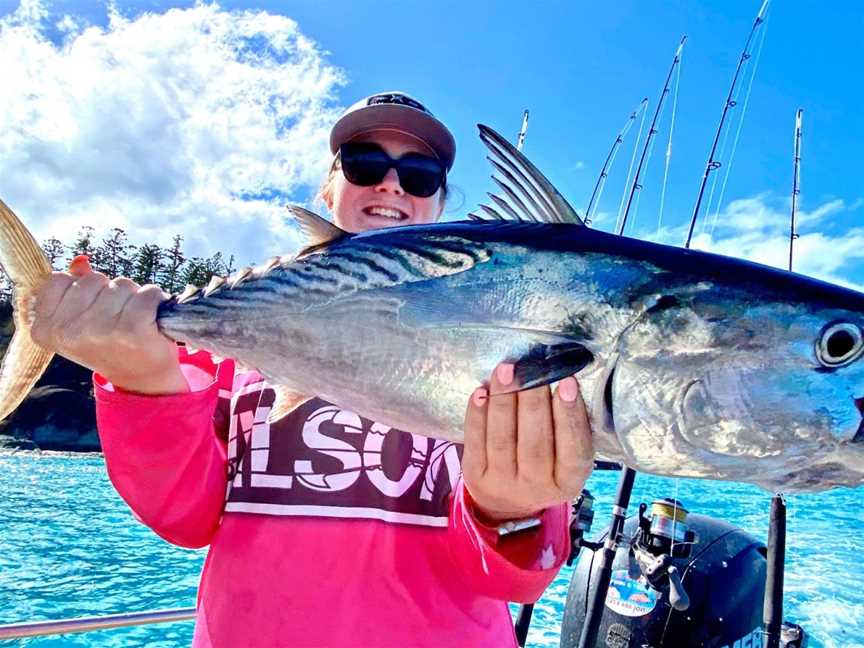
x,y
690,364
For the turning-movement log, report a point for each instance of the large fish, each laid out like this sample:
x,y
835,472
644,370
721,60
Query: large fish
x,y
691,364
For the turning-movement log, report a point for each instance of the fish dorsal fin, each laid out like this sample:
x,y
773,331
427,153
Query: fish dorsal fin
x,y
527,195
317,230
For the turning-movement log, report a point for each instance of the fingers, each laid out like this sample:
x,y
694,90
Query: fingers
x,y
60,302
501,421
474,449
79,297
574,450
108,326
525,451
106,311
77,310
139,316
50,295
535,454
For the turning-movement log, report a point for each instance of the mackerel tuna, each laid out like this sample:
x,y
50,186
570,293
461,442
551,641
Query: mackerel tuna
x,y
691,364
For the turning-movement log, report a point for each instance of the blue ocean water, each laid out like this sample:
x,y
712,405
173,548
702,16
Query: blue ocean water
x,y
70,547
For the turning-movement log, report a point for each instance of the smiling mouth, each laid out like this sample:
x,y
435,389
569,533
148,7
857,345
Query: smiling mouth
x,y
386,212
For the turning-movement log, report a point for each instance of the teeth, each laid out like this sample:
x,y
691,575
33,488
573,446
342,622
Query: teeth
x,y
386,212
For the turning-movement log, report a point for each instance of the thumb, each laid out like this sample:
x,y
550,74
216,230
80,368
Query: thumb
x,y
80,266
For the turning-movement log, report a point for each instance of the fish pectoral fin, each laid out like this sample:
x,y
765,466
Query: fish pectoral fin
x,y
546,363
287,400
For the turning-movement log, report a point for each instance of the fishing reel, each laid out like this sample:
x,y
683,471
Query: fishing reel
x,y
580,525
666,530
662,537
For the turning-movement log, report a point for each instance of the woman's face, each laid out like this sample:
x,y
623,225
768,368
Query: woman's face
x,y
385,204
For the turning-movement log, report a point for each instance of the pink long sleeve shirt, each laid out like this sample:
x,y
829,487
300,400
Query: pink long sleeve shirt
x,y
325,528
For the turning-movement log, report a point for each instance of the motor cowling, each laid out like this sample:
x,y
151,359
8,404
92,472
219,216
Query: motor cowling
x,y
719,568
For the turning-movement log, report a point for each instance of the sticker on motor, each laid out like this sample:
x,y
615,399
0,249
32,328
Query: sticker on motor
x,y
630,597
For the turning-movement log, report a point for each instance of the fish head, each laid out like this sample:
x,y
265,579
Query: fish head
x,y
730,385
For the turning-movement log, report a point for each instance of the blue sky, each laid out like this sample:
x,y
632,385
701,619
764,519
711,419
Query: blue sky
x,y
579,67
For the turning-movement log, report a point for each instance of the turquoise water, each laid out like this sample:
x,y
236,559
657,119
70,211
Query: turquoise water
x,y
70,547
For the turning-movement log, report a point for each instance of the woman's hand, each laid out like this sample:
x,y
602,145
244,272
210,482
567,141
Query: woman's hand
x,y
525,451
108,326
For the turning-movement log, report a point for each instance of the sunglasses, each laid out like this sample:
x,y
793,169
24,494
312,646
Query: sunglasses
x,y
366,164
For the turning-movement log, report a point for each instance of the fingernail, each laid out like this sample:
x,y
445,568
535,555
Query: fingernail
x,y
504,373
568,389
80,265
479,396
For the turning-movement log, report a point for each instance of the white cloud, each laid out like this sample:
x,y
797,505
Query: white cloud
x,y
602,219
826,209
757,229
184,122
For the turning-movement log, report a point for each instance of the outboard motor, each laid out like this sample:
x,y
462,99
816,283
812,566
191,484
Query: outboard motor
x,y
682,580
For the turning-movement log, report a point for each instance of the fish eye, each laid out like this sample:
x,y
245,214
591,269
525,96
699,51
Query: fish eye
x,y
839,344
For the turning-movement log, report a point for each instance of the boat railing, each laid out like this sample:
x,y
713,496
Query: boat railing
x,y
88,624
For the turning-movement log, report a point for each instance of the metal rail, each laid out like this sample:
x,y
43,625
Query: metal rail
x,y
88,624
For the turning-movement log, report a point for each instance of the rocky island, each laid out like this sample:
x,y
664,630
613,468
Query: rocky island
x,y
58,414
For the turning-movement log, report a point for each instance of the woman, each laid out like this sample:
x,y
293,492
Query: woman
x,y
325,528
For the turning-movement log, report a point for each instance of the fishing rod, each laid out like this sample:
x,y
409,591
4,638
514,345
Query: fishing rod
x,y
523,619
520,139
594,614
526,610
772,609
651,131
669,148
601,181
712,164
581,520
754,67
607,555
796,177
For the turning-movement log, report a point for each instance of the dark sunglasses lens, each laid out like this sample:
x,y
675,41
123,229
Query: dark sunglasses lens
x,y
364,165
420,175
367,164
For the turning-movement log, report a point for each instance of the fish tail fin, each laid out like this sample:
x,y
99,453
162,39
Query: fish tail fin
x,y
27,268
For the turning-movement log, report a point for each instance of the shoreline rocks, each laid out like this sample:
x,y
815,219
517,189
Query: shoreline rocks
x,y
58,414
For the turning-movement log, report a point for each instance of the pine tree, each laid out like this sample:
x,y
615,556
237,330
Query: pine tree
x,y
171,278
215,265
85,244
54,250
196,272
116,254
148,263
